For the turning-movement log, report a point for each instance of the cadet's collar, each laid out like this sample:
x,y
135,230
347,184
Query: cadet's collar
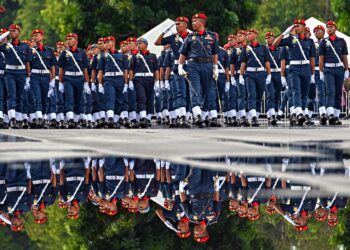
x,y
272,48
183,34
201,32
332,38
112,51
41,46
255,44
302,37
73,49
203,222
334,209
145,52
134,51
255,204
304,213
15,42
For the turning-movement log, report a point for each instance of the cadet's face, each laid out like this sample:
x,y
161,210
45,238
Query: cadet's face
x,y
299,28
242,209
332,217
300,221
253,212
143,204
14,33
71,41
60,48
124,48
234,204
133,203
141,46
320,212
183,227
331,29
200,230
308,34
73,210
233,42
181,26
95,51
319,34
101,45
197,24
126,201
269,40
251,36
110,44
241,38
38,37
132,45
39,215
17,222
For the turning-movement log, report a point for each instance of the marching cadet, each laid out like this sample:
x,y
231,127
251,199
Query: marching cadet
x,y
73,78
161,94
201,49
302,66
273,90
113,74
60,47
176,40
3,91
334,69
319,32
255,73
145,73
17,71
42,78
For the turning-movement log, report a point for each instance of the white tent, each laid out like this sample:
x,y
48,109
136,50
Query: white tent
x,y
313,22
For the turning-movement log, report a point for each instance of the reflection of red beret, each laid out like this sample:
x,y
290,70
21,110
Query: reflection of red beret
x,y
331,23
299,21
182,18
42,221
200,15
184,235
252,30
131,39
319,27
14,26
269,34
3,30
301,228
60,43
38,31
202,239
72,35
110,38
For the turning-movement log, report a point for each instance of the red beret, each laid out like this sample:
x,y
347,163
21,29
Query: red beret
x,y
252,30
269,34
202,239
38,31
3,30
299,21
131,39
200,15
302,228
319,27
60,43
241,32
101,39
182,18
230,37
331,23
72,35
42,221
122,43
110,38
307,29
15,26
184,235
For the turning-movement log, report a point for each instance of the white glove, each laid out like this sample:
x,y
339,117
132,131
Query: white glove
x,y
27,167
181,70
101,89
131,85
156,86
241,79
101,162
3,36
167,85
233,81
168,29
162,86
87,89
182,186
170,226
216,184
322,76
227,86
268,79
50,92
87,161
285,164
288,30
125,89
52,83
61,87
284,81
346,74
93,87
216,72
313,79
27,85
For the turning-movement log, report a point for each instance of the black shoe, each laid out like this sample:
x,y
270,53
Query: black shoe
x,y
309,122
126,122
1,123
226,121
331,120
71,124
5,125
301,119
172,123
166,121
293,120
244,122
110,122
159,121
323,120
214,123
89,125
143,123
207,121
337,122
199,122
53,123
61,124
13,123
272,121
255,122
117,125
184,123
39,123
234,122
149,124
102,123
25,124
177,122
134,124
78,125
279,117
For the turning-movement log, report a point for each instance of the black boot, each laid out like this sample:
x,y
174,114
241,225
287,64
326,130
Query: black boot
x,y
234,122
301,119
323,120
331,120
272,121
25,124
143,123
166,121
110,122
61,124
255,122
309,122
184,123
199,122
159,121
88,125
337,122
244,122
39,123
293,120
71,124
33,124
1,123
53,123
172,123
13,123
134,124
126,123
214,123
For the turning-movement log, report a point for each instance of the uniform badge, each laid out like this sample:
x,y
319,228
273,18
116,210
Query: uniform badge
x,y
177,38
193,38
106,55
294,41
195,217
33,51
67,55
98,56
7,46
208,37
129,57
247,49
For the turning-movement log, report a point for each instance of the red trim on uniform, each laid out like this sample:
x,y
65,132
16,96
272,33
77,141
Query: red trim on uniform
x,y
75,202
255,44
134,51
272,48
41,47
145,52
185,219
304,213
202,239
15,42
256,204
112,51
42,205
200,32
202,222
332,38
183,34
302,37
73,49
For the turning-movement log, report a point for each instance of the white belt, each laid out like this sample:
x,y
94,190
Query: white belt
x,y
2,182
37,182
40,71
317,68
15,189
301,62
113,74
177,62
2,72
74,178
144,176
14,67
221,71
113,177
57,78
255,179
275,70
333,65
144,74
254,69
71,73
296,188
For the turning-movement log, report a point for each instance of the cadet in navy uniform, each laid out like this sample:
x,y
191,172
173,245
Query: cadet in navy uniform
x,y
273,90
255,73
3,92
17,72
334,69
74,78
113,74
302,66
144,73
176,40
42,77
201,49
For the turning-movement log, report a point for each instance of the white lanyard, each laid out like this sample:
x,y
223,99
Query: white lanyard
x,y
116,188
302,201
276,182
42,193
144,61
221,65
76,190
256,58
41,60
273,60
75,62
256,192
19,198
301,49
115,63
335,53
334,197
146,188
14,51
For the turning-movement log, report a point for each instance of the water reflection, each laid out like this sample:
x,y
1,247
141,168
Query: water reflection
x,y
187,199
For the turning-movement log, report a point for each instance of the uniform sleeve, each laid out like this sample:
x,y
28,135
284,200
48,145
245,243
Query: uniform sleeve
x,y
226,61
29,55
186,207
233,57
185,47
100,64
132,63
313,49
282,54
321,49
61,59
215,49
85,61
155,62
286,41
345,48
267,55
166,40
53,61
243,56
